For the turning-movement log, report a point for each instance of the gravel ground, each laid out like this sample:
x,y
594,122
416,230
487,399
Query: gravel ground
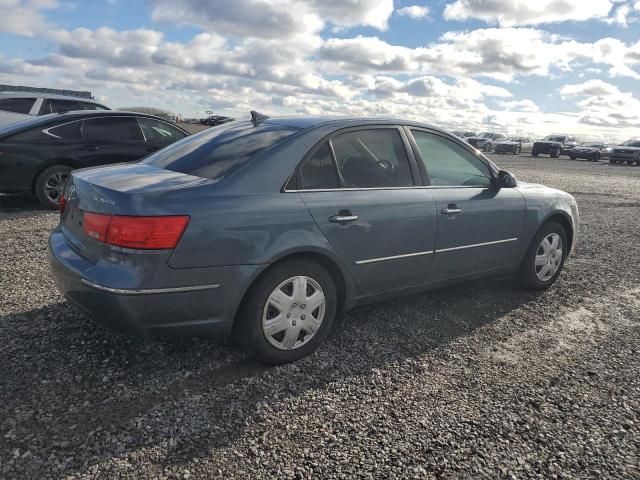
x,y
478,381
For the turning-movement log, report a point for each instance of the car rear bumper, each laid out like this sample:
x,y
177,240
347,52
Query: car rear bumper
x,y
204,309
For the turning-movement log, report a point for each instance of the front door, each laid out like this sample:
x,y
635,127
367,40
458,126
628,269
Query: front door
x,y
478,226
360,189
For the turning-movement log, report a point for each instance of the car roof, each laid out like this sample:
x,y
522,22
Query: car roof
x,y
45,95
307,122
58,118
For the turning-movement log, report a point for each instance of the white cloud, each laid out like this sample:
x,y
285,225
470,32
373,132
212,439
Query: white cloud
x,y
416,12
274,18
24,17
526,105
525,12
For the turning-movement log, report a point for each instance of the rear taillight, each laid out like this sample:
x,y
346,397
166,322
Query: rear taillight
x,y
62,204
135,232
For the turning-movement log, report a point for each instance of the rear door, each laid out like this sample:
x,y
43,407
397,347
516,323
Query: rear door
x,y
363,189
479,226
111,140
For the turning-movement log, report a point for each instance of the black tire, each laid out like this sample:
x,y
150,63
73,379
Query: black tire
x,y
42,187
596,157
527,273
613,161
516,151
572,157
248,328
554,153
534,153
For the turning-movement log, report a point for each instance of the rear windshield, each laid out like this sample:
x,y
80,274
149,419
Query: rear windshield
x,y
218,151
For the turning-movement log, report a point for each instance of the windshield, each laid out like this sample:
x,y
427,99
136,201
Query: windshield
x,y
555,138
632,143
486,135
218,151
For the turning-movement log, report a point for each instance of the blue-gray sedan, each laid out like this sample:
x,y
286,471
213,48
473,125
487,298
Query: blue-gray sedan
x,y
268,228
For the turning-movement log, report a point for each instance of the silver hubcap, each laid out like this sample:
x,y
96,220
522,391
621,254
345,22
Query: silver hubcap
x,y
293,313
548,257
54,185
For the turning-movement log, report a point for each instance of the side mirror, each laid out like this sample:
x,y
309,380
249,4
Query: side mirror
x,y
506,180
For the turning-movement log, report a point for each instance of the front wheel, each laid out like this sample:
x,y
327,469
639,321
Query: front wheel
x,y
288,312
545,257
516,151
50,184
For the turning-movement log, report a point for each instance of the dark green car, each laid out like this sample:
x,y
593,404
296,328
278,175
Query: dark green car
x,y
36,155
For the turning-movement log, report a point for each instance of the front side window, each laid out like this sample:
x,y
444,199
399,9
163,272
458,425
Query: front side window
x,y
372,159
449,164
319,171
216,152
159,133
17,105
110,130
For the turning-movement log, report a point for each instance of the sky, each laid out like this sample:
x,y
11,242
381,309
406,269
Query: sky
x,y
519,66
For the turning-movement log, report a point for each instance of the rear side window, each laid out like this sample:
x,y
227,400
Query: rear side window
x,y
372,159
17,105
67,131
319,171
111,130
218,151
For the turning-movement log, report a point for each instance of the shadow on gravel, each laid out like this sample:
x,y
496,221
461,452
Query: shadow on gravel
x,y
113,384
21,206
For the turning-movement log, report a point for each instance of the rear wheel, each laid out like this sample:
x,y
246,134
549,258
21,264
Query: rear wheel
x,y
554,154
50,184
572,157
545,257
534,153
596,157
516,151
288,312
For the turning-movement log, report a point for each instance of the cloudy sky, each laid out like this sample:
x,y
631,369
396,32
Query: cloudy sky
x,y
539,67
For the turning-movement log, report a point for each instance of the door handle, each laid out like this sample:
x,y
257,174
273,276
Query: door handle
x,y
89,148
452,209
343,216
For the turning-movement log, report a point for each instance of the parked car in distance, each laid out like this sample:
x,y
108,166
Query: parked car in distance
x,y
215,120
485,141
463,134
36,155
554,146
268,228
514,145
593,151
17,106
628,152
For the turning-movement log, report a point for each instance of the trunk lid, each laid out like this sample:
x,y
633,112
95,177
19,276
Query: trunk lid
x,y
128,189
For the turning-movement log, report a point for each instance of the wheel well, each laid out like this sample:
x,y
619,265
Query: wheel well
x,y
323,260
566,224
57,161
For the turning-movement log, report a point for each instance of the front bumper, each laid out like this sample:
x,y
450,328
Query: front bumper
x,y
207,308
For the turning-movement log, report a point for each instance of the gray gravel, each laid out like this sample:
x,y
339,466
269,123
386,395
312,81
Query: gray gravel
x,y
478,381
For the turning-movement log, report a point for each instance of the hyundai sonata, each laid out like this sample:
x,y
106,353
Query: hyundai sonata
x,y
270,227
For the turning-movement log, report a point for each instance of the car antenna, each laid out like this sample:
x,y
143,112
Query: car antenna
x,y
257,117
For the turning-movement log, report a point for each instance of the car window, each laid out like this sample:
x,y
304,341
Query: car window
x,y
17,105
319,171
111,129
217,151
54,105
159,133
67,131
449,164
372,158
